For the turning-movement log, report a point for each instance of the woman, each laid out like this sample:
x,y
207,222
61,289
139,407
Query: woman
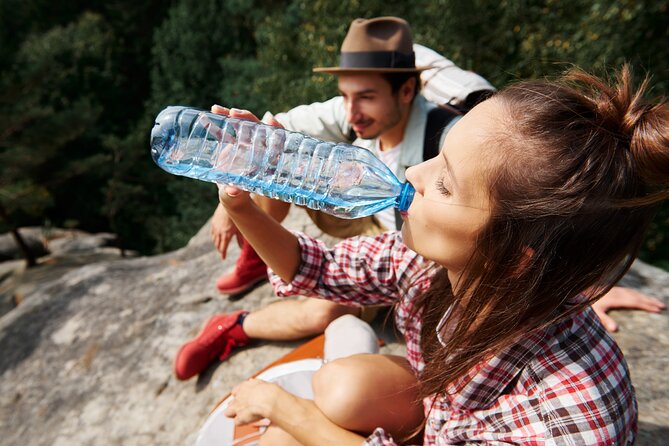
x,y
535,208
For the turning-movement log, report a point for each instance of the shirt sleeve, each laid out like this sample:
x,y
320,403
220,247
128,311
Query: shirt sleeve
x,y
357,271
379,438
322,120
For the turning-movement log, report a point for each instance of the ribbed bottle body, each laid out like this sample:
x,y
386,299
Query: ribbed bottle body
x,y
340,179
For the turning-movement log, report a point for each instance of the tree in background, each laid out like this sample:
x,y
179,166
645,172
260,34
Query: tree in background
x,y
128,60
74,76
49,114
203,53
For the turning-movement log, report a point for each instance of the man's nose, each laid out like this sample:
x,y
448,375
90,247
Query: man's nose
x,y
352,111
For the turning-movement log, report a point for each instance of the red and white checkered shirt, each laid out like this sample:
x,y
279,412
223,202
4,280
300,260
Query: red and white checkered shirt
x,y
566,385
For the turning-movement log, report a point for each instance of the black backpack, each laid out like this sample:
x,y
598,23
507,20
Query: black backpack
x,y
438,118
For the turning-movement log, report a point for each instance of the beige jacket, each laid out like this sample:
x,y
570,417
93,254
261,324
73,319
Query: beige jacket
x,y
327,121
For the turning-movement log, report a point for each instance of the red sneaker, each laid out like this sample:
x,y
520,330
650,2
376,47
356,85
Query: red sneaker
x,y
220,335
249,270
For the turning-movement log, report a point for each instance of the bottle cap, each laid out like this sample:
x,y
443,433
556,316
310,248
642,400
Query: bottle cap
x,y
405,197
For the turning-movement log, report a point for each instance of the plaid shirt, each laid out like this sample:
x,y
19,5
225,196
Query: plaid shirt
x,y
566,385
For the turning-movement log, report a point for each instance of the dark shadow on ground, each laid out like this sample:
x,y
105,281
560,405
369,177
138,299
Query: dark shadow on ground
x,y
652,435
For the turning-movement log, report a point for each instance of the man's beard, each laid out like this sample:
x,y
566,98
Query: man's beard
x,y
393,119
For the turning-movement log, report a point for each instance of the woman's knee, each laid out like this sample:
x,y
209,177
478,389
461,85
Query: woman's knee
x,y
363,392
338,388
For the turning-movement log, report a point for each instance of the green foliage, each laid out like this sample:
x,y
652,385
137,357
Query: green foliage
x,y
48,107
192,55
82,88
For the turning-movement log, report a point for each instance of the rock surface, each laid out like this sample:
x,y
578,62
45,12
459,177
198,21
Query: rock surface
x,y
87,355
67,249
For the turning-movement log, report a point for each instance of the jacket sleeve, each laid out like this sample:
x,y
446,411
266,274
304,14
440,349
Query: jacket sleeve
x,y
322,120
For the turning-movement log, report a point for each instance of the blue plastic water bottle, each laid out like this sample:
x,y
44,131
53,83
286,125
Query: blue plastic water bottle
x,y
340,179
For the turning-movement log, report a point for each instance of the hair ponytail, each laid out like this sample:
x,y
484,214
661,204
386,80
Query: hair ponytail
x,y
641,126
650,147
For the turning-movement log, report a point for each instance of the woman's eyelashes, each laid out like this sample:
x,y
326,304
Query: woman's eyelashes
x,y
441,187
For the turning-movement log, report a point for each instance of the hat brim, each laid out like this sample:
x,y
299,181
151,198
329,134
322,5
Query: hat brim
x,y
340,70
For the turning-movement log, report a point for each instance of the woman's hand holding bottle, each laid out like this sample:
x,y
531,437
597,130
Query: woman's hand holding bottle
x,y
232,198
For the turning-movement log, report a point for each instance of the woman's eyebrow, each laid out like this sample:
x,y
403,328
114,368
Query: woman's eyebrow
x,y
449,169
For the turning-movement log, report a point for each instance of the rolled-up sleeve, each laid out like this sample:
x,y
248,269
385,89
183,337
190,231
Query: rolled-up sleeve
x,y
357,271
306,279
323,120
379,438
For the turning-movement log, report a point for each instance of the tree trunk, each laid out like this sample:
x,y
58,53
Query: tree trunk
x,y
23,246
29,256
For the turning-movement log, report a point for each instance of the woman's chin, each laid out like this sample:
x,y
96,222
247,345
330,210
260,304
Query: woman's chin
x,y
407,239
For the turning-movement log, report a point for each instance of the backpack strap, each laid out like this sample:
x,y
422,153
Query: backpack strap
x,y
437,120
351,135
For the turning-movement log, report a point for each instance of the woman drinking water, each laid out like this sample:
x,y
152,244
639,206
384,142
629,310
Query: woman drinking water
x,y
535,207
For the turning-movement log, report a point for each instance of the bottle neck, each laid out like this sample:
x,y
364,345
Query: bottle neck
x,y
405,197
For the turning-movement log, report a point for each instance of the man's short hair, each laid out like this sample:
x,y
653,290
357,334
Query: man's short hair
x,y
396,80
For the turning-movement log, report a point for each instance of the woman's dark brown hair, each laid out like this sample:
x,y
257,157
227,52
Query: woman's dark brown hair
x,y
582,165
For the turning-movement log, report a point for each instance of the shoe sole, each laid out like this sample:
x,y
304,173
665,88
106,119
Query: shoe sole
x,y
240,289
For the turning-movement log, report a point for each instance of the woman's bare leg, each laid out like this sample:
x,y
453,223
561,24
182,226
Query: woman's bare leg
x,y
363,392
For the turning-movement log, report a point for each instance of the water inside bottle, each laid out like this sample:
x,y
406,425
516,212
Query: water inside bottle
x,y
340,179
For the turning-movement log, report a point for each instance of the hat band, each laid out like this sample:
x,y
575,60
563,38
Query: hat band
x,y
377,59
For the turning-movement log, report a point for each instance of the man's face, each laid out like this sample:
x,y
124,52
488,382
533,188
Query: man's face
x,y
371,107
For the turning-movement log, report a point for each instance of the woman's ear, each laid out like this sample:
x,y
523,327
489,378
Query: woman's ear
x,y
525,260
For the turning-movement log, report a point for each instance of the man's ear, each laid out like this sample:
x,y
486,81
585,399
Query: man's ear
x,y
407,90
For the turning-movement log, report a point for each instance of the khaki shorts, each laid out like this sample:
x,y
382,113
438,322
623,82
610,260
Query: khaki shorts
x,y
344,228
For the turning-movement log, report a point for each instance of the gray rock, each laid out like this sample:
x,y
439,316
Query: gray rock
x,y
77,241
33,238
70,249
87,357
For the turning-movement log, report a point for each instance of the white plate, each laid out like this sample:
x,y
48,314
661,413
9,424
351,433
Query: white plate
x,y
294,377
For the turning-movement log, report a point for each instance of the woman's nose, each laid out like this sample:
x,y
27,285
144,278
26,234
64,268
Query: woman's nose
x,y
413,177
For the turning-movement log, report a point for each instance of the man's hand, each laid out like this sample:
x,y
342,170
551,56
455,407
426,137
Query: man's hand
x,y
223,230
620,297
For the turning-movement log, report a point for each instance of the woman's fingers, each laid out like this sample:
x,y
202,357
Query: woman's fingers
x,y
220,110
243,114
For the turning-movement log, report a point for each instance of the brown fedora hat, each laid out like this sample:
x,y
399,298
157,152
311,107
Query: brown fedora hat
x,y
381,45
